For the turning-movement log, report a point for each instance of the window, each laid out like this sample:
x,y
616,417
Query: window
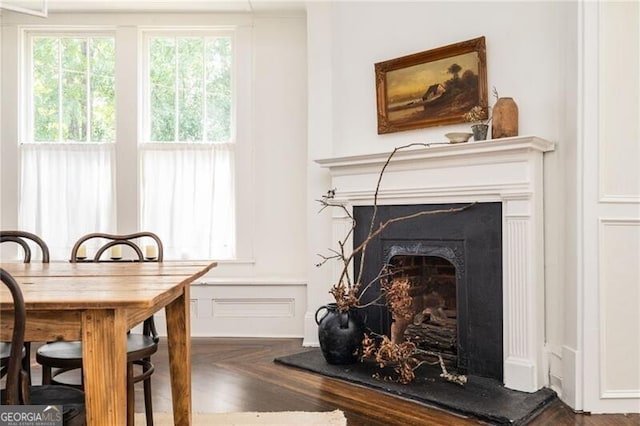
x,y
164,104
187,155
67,157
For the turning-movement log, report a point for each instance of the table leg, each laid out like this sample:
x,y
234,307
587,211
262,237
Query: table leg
x,y
179,337
104,353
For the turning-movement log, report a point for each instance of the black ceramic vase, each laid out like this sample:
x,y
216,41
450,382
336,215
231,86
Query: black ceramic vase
x,y
340,334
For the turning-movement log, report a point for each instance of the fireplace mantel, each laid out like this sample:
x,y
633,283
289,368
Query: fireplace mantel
x,y
508,170
440,150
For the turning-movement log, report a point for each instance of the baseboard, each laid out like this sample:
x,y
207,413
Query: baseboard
x,y
572,386
310,331
553,365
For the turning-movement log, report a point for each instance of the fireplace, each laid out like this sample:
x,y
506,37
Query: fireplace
x,y
504,174
454,264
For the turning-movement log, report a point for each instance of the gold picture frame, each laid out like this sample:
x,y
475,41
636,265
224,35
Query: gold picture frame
x,y
431,88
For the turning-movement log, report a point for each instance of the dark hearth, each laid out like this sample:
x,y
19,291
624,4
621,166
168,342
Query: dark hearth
x,y
482,398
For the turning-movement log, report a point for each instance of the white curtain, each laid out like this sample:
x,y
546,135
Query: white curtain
x,y
67,190
187,198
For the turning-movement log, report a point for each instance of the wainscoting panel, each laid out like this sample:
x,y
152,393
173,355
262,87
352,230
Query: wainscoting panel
x,y
263,308
246,308
619,316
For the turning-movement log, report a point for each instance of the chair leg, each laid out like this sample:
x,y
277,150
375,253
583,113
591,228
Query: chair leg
x,y
148,408
46,375
131,397
26,361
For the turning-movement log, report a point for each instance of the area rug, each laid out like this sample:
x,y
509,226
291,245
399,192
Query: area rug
x,y
482,398
286,418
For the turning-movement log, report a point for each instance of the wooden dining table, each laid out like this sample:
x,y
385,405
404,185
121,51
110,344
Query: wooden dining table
x,y
97,303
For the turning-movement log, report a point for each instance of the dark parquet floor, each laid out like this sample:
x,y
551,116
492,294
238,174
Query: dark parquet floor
x,y
240,375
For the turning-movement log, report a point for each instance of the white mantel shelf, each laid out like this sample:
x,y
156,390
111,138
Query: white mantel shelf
x,y
507,170
438,150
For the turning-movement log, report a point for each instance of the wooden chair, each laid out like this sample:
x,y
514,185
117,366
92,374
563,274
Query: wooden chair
x,y
66,356
114,240
18,391
22,238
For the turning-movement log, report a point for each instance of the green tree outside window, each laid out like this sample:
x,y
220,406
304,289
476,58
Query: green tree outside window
x,y
190,95
73,94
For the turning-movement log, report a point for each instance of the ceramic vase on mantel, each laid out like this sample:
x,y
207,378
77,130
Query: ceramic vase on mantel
x,y
479,131
504,123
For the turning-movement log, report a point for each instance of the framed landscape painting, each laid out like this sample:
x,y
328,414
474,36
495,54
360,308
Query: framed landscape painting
x,y
431,88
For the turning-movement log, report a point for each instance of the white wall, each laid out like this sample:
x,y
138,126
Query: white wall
x,y
610,207
519,50
320,128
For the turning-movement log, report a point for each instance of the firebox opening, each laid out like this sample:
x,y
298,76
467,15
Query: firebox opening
x,y
432,321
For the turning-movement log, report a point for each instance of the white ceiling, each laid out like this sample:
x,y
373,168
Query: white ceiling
x,y
166,5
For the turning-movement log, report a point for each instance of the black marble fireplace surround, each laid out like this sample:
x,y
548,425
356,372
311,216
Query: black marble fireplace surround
x,y
471,241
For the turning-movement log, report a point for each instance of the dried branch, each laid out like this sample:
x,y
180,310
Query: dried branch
x,y
375,198
385,272
373,234
352,292
402,358
325,259
458,379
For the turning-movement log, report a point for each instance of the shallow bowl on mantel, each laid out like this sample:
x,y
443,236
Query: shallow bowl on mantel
x,y
458,137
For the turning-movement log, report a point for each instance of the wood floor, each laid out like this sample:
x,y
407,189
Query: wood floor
x,y
230,375
240,375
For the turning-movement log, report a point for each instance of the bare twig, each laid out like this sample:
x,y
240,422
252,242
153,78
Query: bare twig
x,y
352,290
372,234
458,379
375,198
384,273
348,294
402,357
